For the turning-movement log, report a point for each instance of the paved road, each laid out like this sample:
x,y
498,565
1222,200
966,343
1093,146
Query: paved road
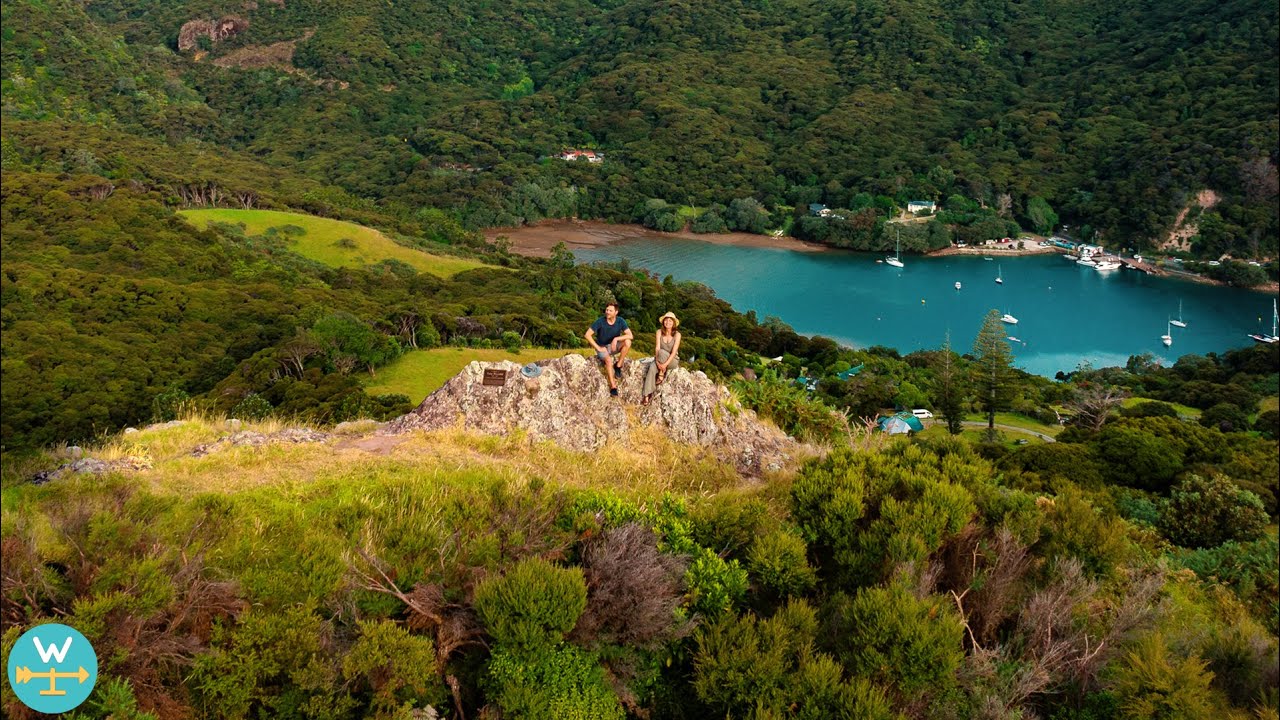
x,y
1007,428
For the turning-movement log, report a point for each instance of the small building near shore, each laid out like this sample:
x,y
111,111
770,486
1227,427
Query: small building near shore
x,y
919,206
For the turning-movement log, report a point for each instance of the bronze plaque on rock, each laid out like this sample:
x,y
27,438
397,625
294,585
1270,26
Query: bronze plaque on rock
x,y
494,377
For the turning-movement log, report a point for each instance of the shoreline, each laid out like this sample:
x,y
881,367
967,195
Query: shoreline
x,y
538,239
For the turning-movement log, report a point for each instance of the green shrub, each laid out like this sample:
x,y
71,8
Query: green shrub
x,y
769,669
1243,662
1075,528
1251,570
791,409
1151,683
273,664
1268,424
713,585
1208,511
566,683
779,563
1225,417
534,605
396,667
869,512
112,698
1150,408
511,341
731,523
252,407
886,634
169,404
709,221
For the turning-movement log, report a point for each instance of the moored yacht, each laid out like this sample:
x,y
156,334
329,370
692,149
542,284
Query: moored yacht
x,y
1273,337
896,260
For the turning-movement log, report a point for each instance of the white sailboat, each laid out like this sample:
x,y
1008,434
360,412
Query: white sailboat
x,y
1010,319
1178,322
1166,338
1273,337
896,260
957,284
999,275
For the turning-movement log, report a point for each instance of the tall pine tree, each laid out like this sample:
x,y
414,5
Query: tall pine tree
x,y
992,368
950,388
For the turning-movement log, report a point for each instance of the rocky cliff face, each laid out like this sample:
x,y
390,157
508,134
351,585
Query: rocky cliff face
x,y
216,30
569,403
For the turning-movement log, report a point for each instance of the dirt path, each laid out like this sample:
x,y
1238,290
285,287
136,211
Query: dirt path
x,y
1008,428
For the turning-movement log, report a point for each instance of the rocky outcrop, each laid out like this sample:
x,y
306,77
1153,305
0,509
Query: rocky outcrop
x,y
568,402
216,30
256,439
93,466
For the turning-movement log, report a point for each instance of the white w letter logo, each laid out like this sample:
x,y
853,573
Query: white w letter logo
x,y
52,651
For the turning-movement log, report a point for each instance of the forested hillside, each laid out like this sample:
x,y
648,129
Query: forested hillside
x,y
1108,116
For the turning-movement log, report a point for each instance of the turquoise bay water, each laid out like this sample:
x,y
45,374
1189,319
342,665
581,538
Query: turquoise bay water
x,y
1067,314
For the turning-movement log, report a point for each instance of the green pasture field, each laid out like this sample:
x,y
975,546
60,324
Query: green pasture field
x,y
322,240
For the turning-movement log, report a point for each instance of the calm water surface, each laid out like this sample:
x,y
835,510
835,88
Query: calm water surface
x,y
1067,314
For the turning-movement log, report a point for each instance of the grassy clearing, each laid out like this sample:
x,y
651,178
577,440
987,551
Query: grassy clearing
x,y
1018,421
422,372
647,466
1183,410
1268,403
979,435
325,240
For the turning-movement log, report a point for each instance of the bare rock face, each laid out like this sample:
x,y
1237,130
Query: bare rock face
x,y
216,30
568,402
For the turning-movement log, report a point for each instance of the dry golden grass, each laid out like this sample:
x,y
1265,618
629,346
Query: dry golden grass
x,y
648,464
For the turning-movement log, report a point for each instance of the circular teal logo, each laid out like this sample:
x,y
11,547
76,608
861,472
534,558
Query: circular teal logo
x,y
52,668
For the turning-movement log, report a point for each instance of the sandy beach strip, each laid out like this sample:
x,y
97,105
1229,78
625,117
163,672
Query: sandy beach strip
x,y
537,240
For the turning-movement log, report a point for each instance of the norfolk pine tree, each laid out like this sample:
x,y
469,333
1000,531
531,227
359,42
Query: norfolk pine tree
x,y
992,368
950,388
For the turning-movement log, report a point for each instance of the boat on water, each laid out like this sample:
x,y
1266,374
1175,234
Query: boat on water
x,y
1014,339
896,260
999,275
1007,318
1086,261
1178,322
1071,257
957,284
988,259
1273,337
1106,265
1166,338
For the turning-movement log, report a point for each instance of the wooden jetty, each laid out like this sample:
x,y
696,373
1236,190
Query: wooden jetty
x,y
1145,267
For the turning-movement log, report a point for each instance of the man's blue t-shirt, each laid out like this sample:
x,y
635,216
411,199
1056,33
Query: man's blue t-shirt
x,y
606,333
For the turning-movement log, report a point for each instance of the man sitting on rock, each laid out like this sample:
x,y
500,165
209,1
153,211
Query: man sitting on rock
x,y
611,338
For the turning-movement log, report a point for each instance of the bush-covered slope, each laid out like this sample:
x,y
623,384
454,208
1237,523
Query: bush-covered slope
x,y
1116,114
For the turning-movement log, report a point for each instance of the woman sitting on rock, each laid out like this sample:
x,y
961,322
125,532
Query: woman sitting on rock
x,y
666,355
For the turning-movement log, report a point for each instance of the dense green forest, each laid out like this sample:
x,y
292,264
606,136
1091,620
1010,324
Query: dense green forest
x,y
1107,116
1117,560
